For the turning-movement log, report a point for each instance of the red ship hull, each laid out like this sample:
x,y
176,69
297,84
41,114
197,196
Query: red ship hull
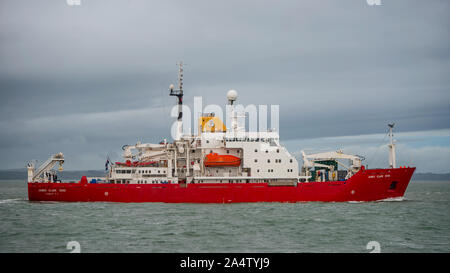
x,y
366,185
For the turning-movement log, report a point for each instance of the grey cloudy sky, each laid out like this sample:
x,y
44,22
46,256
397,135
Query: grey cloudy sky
x,y
84,80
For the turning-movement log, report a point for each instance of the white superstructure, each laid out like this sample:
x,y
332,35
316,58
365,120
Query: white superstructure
x,y
260,153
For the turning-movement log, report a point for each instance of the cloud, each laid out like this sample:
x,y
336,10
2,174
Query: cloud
x,y
96,75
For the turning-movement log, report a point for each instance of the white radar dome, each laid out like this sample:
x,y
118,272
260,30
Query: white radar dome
x,y
232,95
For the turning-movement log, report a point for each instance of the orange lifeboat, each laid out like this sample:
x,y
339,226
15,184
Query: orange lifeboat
x,y
216,160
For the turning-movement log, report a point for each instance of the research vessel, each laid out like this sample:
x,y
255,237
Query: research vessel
x,y
221,164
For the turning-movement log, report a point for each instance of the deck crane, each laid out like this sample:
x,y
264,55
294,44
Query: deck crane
x,y
45,169
310,161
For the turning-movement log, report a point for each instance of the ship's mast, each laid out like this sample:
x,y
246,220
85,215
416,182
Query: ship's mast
x,y
392,163
232,96
179,94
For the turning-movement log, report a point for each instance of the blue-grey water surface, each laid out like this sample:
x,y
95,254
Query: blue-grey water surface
x,y
419,223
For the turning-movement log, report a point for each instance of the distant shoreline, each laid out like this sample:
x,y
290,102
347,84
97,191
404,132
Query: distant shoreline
x,y
431,176
21,174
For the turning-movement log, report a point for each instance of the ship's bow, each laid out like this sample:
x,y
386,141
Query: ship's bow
x,y
380,184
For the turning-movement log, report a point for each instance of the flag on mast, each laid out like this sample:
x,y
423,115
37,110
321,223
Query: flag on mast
x,y
107,164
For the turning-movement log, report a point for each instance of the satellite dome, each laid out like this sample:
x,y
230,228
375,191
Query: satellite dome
x,y
232,95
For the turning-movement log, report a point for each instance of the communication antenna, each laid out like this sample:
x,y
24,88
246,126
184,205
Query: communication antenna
x,y
180,77
391,146
179,94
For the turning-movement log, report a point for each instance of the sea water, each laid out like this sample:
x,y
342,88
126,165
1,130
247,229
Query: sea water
x,y
420,222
